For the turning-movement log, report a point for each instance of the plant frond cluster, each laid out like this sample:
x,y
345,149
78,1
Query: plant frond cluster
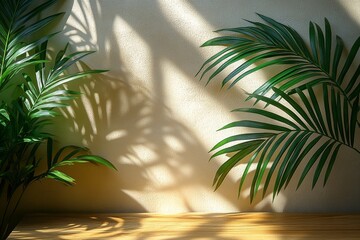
x,y
31,93
316,98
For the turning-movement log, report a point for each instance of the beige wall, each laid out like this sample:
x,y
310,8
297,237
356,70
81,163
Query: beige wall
x,y
156,122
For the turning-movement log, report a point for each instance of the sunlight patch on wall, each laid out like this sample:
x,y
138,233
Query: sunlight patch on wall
x,y
145,155
81,23
135,51
175,143
162,177
117,134
182,15
352,8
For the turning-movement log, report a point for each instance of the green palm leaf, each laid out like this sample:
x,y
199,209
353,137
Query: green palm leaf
x,y
311,112
65,156
17,27
294,138
31,93
42,94
279,44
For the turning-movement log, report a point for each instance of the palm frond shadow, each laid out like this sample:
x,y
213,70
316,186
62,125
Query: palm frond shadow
x,y
131,117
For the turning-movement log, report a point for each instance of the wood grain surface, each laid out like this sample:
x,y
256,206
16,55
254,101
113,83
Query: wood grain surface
x,y
189,226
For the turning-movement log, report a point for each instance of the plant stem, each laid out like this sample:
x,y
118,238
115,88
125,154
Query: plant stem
x,y
7,220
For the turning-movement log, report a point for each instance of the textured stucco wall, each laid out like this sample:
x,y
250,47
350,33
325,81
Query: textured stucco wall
x,y
156,122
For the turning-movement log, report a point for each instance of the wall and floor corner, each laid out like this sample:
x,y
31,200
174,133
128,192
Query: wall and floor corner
x,y
156,122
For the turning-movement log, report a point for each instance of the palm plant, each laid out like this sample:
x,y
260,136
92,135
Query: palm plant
x,y
31,92
309,109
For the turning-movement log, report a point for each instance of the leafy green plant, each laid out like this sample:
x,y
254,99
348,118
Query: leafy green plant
x,y
308,110
31,93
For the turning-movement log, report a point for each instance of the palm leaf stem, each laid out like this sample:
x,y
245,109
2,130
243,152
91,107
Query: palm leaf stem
x,y
329,137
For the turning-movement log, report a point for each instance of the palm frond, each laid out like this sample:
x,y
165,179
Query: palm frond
x,y
34,93
278,44
43,95
289,139
302,125
17,27
68,155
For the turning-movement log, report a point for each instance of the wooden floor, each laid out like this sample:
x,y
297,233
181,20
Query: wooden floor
x,y
238,226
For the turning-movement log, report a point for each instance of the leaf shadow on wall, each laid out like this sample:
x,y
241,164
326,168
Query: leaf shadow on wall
x,y
156,154
158,157
171,39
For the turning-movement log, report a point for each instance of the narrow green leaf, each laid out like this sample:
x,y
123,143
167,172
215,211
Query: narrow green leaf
x,y
320,45
284,75
236,148
327,104
316,107
284,148
354,79
349,60
68,61
34,12
37,26
70,162
268,114
345,120
279,142
312,161
248,165
43,114
242,53
327,53
355,93
223,41
337,55
281,58
353,120
320,166
256,124
286,33
286,160
221,56
281,107
97,160
306,77
230,163
296,106
258,173
292,165
60,55
335,109
300,157
69,78
73,151
240,137
310,110
313,42
49,152
61,177
50,105
52,99
331,163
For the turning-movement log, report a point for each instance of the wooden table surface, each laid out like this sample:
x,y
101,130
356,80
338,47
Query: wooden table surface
x,y
237,226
